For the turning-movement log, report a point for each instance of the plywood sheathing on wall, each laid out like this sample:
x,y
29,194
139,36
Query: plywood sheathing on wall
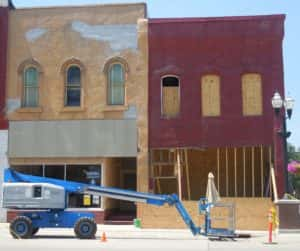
x,y
251,214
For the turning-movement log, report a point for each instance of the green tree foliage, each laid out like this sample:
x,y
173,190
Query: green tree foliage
x,y
294,154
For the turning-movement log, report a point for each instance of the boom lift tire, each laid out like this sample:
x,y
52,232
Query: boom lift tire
x,y
35,230
85,228
21,227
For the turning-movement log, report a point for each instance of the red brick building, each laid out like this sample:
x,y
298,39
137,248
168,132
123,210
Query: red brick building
x,y
211,81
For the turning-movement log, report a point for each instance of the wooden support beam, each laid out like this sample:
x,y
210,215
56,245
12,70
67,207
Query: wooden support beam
x,y
161,157
187,173
244,170
235,173
159,172
253,173
165,177
218,168
169,156
157,181
179,174
227,180
262,170
273,178
163,163
270,155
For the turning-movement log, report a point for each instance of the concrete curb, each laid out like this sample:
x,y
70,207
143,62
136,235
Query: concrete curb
x,y
131,232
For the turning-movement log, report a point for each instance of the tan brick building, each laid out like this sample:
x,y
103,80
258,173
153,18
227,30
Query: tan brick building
x,y
77,91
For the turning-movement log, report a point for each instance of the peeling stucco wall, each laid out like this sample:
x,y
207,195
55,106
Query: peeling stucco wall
x,y
12,105
92,35
119,36
33,34
131,113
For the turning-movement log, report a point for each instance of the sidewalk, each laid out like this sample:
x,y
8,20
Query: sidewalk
x,y
130,232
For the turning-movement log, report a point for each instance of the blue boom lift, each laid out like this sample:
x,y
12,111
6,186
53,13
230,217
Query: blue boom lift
x,y
46,201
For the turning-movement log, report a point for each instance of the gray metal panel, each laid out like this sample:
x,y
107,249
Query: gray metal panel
x,y
20,195
73,138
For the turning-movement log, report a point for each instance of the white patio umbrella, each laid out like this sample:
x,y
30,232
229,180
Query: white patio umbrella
x,y
212,193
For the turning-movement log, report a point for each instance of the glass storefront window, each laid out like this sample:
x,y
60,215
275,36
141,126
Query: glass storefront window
x,y
31,170
56,172
85,174
89,174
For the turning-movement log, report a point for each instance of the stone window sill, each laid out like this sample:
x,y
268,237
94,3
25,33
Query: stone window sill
x,y
115,108
30,110
72,109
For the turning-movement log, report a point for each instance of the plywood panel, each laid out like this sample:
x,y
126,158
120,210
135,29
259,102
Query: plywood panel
x,y
210,89
252,94
250,214
171,101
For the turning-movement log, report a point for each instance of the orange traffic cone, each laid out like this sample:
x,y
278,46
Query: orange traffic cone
x,y
103,237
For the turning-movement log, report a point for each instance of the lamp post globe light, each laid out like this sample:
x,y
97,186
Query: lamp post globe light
x,y
288,104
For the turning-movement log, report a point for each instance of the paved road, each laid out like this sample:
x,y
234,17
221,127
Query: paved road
x,y
58,240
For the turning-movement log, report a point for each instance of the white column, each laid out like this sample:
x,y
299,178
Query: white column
x,y
3,165
3,3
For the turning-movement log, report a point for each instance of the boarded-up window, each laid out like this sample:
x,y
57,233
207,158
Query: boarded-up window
x,y
170,97
252,94
210,89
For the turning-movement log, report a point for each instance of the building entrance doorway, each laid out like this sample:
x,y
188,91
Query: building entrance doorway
x,y
121,173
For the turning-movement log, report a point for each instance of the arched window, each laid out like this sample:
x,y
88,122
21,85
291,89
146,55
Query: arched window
x,y
30,87
116,84
170,97
73,86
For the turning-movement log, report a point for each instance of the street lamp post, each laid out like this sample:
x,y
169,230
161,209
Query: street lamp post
x,y
288,104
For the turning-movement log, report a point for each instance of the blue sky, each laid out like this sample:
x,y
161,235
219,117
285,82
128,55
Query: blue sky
x,y
206,8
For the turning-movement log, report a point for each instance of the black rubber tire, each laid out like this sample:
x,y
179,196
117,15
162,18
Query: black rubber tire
x,y
85,228
21,227
35,230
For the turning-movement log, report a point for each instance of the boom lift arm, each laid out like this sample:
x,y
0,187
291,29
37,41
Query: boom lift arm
x,y
82,222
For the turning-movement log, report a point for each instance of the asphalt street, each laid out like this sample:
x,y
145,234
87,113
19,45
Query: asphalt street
x,y
128,238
